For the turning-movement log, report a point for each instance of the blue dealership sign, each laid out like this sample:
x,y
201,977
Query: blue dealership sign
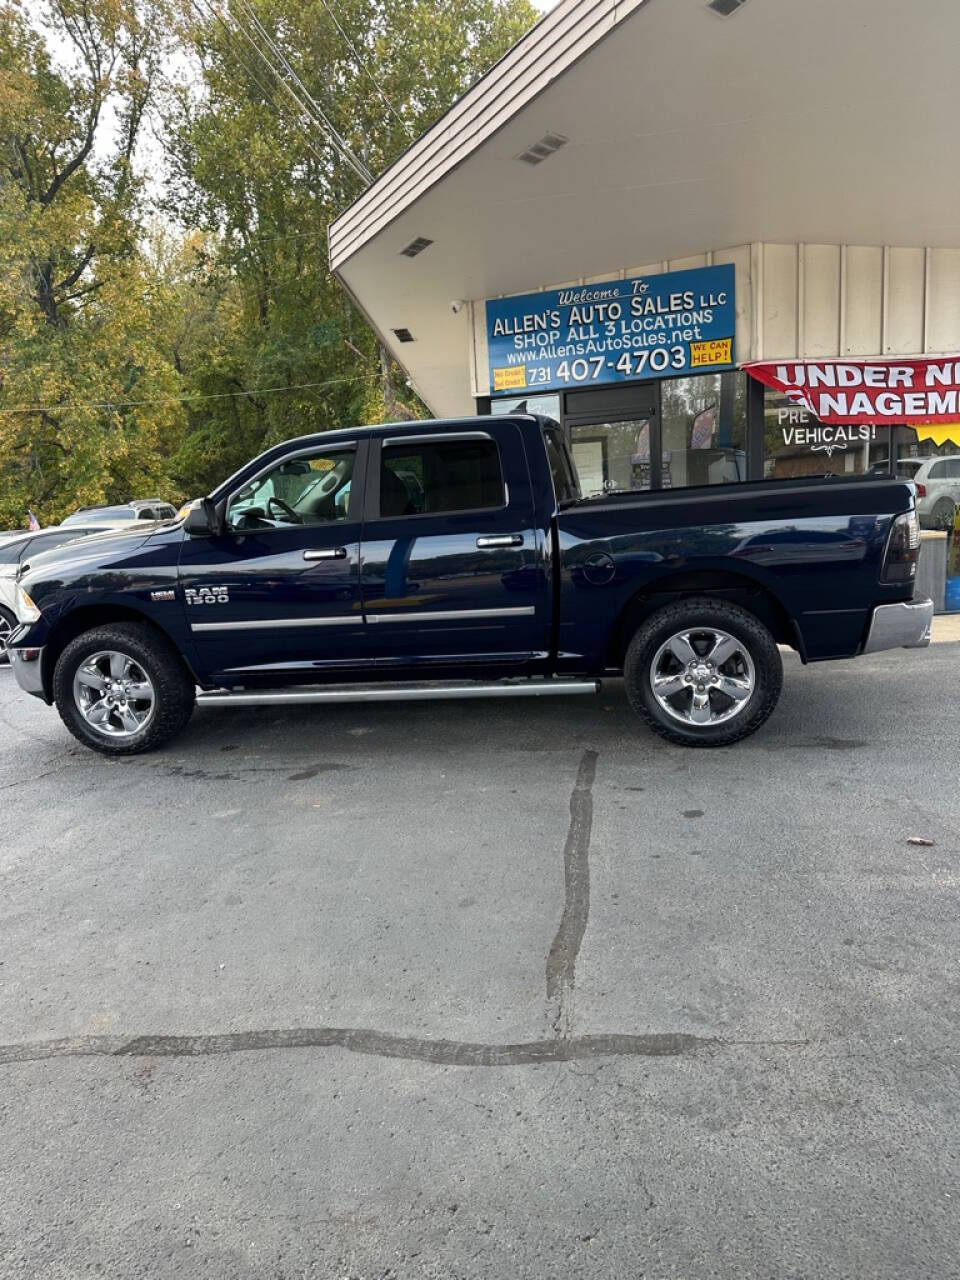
x,y
662,326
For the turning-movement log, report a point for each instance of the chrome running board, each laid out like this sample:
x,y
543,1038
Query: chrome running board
x,y
394,692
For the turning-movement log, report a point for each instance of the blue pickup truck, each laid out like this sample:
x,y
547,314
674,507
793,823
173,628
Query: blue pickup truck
x,y
458,559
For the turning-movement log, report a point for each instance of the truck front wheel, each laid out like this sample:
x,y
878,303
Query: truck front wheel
x,y
122,689
7,624
703,672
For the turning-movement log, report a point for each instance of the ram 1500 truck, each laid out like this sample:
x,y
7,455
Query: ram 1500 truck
x,y
438,559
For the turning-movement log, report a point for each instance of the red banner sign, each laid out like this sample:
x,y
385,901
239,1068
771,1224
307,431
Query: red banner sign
x,y
868,391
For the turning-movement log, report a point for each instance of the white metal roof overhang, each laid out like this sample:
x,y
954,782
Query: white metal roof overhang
x,y
824,121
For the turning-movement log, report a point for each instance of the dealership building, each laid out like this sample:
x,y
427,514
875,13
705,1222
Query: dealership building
x,y
717,240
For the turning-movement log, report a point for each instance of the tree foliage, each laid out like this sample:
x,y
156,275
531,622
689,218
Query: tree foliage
x,y
143,353
77,342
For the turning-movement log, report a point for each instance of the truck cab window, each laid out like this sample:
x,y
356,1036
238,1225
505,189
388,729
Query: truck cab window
x,y
430,479
564,479
306,490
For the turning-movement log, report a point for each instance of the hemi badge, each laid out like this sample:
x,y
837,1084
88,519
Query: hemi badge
x,y
162,595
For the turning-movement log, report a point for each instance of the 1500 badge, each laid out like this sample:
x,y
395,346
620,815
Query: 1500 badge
x,y
207,595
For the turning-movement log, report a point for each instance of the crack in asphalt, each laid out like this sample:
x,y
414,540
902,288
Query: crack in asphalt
x,y
562,1047
565,948
382,1044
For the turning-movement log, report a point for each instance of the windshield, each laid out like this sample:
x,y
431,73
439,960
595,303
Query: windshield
x,y
98,514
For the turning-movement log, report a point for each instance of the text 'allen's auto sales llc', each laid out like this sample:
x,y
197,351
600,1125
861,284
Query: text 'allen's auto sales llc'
x,y
646,326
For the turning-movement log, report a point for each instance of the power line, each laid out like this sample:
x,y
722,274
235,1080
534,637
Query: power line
x,y
285,75
308,110
219,395
287,235
367,72
212,12
338,141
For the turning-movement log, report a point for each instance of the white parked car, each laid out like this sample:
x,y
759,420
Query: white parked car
x,y
13,548
938,488
122,513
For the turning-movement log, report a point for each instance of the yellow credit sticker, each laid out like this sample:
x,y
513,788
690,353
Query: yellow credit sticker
x,y
513,378
719,351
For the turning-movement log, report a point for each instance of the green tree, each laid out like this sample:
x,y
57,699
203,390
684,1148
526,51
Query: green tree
x,y
137,359
263,187
77,340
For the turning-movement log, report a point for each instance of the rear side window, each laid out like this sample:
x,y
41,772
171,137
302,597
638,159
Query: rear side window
x,y
10,552
938,471
428,478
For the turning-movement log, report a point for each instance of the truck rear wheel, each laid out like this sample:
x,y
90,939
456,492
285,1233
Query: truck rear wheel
x,y
703,672
122,689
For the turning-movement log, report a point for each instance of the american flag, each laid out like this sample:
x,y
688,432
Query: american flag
x,y
33,524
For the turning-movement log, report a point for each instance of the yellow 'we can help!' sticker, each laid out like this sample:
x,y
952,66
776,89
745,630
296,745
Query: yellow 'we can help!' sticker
x,y
702,354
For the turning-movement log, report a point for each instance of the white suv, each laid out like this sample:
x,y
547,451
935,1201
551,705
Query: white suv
x,y
122,513
938,488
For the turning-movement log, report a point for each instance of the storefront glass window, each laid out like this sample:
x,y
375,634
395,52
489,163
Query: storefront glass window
x,y
704,430
612,457
796,443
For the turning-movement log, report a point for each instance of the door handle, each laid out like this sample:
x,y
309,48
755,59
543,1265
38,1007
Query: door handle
x,y
326,553
500,540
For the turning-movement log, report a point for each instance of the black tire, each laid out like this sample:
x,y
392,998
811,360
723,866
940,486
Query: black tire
x,y
942,515
7,623
688,616
174,692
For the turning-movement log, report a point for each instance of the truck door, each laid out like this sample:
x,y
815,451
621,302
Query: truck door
x,y
278,594
453,569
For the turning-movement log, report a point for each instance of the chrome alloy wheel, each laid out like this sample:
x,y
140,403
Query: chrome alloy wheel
x,y
702,676
114,694
6,629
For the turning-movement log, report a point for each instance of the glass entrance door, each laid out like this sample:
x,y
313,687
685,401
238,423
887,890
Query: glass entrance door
x,y
617,447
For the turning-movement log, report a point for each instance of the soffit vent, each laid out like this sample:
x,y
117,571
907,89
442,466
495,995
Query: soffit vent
x,y
403,335
543,148
725,7
415,247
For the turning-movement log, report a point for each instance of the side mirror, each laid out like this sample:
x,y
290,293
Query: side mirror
x,y
203,519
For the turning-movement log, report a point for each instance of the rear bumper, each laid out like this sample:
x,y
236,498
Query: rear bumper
x,y
27,667
900,626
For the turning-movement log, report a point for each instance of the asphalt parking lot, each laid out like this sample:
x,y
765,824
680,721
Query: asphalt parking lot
x,y
487,990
